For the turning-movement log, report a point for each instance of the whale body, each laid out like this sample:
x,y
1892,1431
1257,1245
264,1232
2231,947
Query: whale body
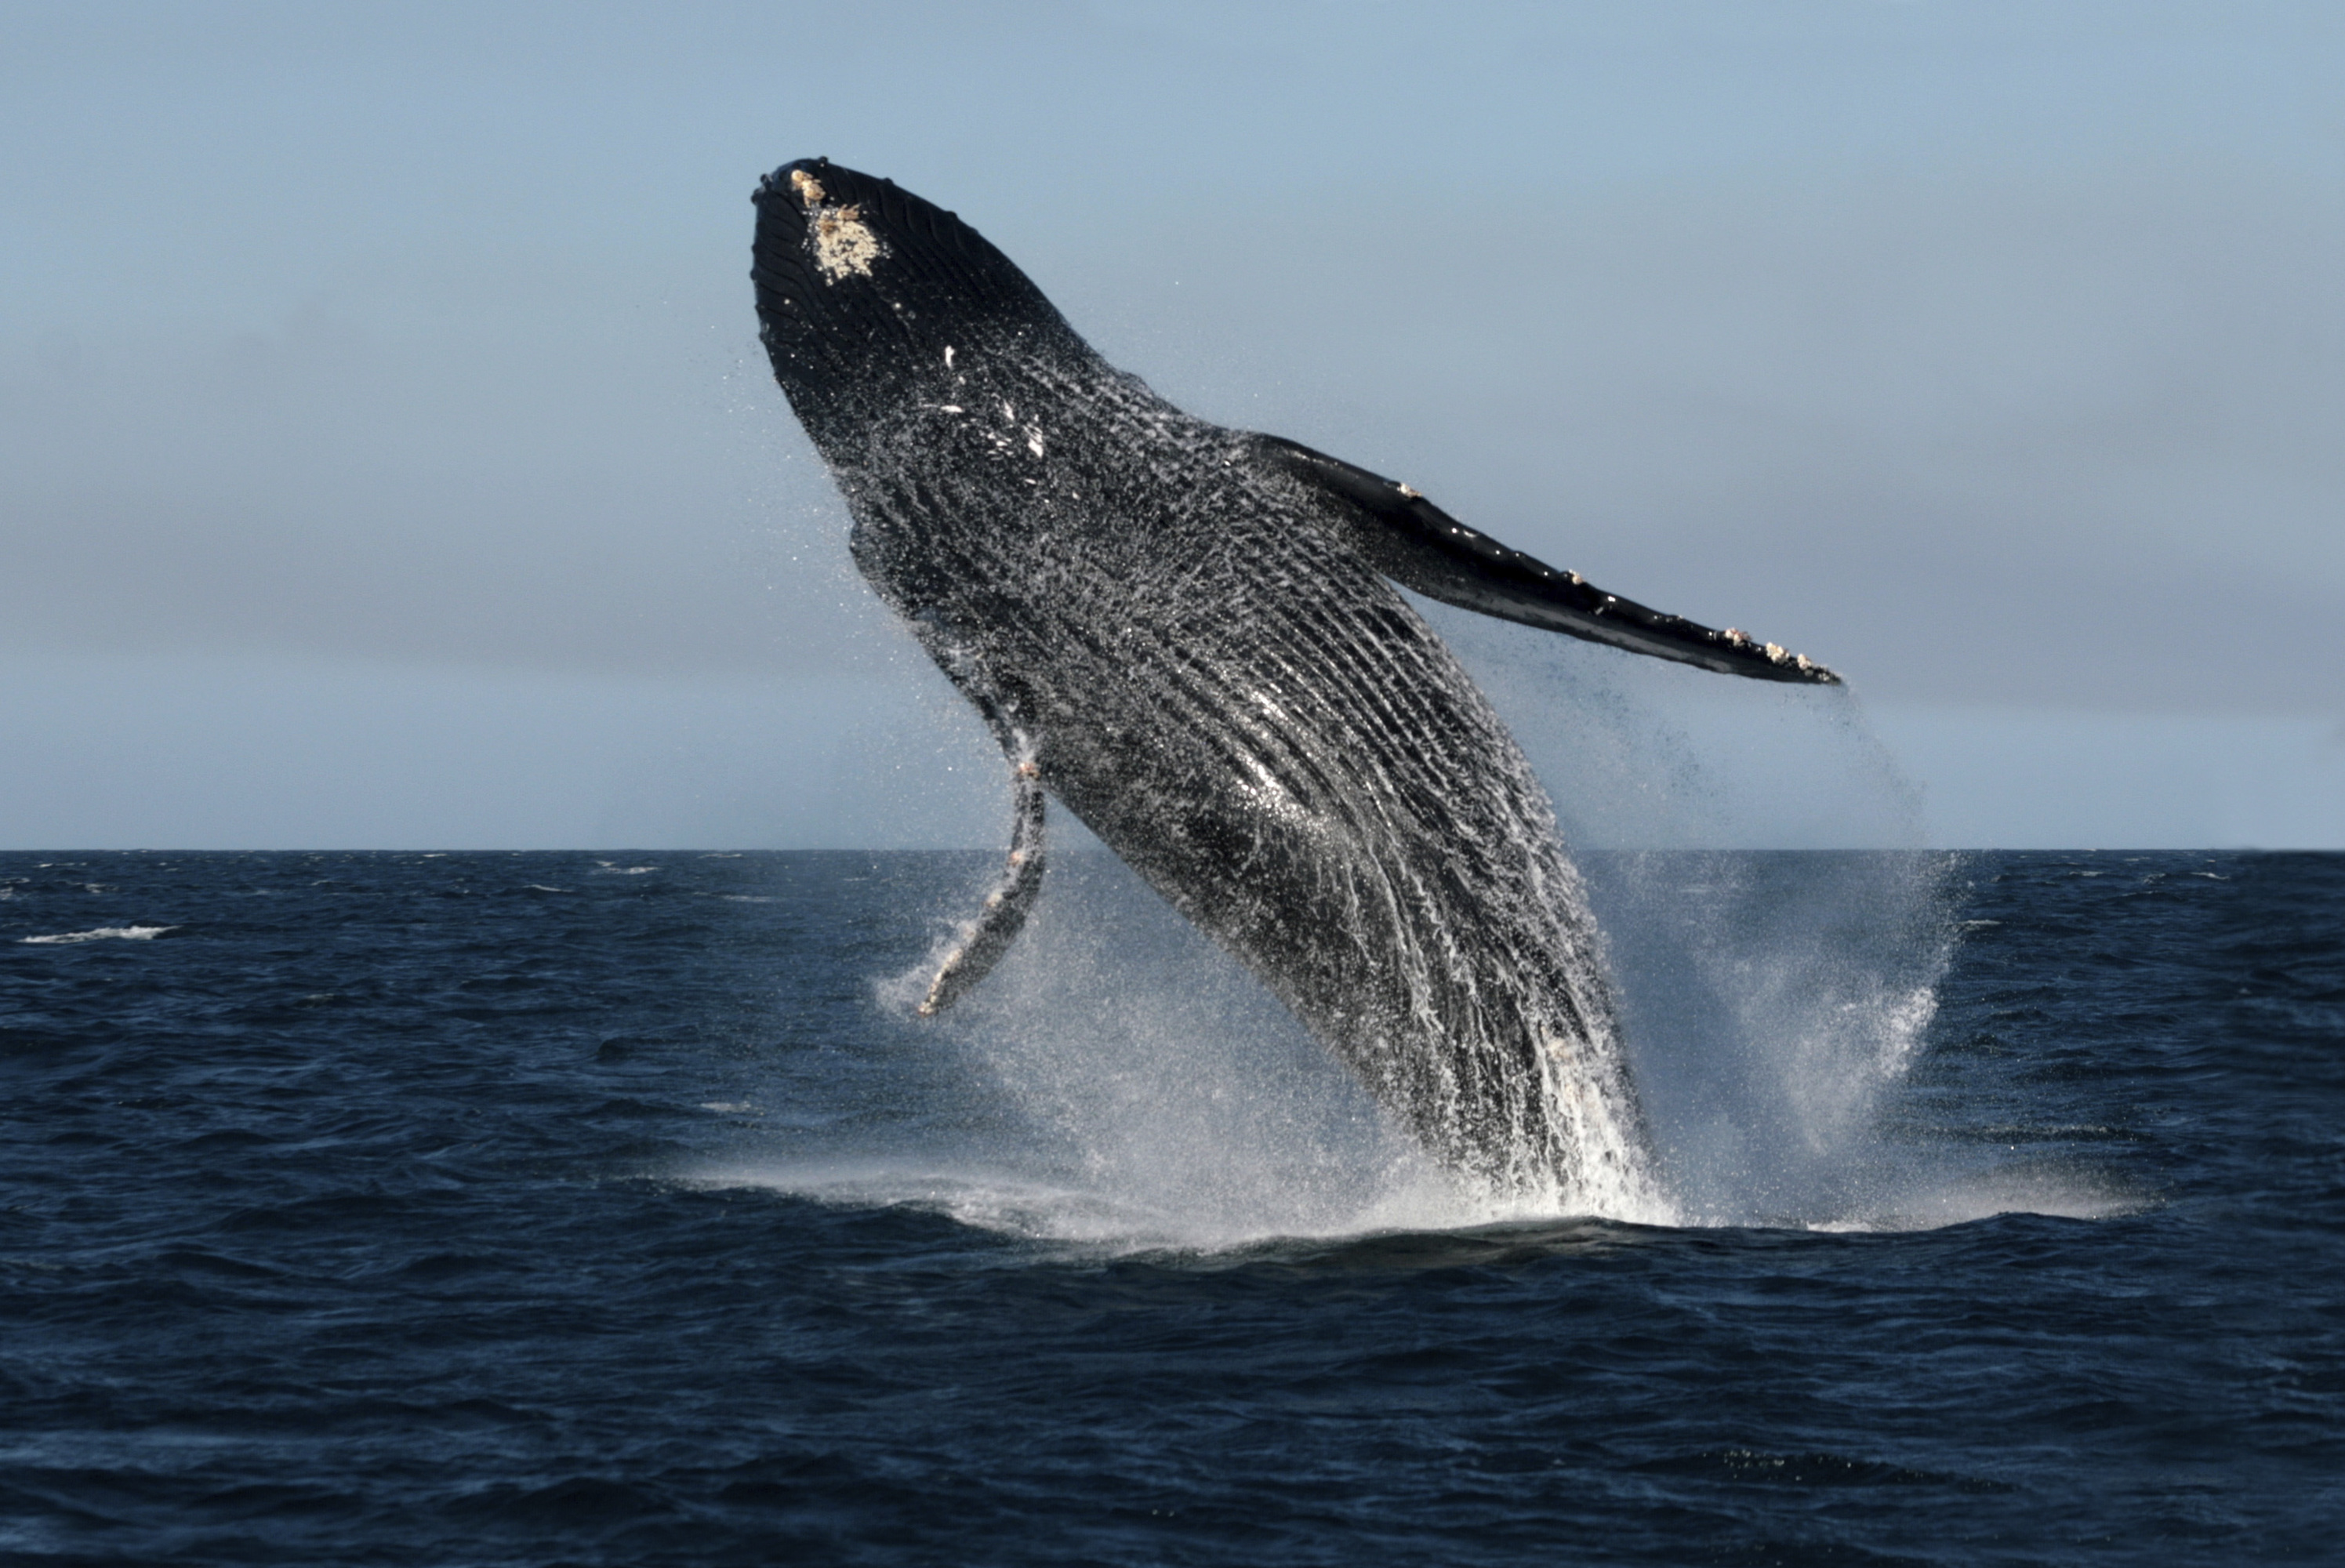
x,y
1190,636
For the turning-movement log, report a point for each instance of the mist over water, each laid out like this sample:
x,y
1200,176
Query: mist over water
x,y
1774,1003
1775,925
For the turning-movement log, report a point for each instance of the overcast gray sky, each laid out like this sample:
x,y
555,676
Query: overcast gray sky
x,y
386,458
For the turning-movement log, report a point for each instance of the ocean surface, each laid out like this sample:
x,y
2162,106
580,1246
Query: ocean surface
x,y
611,1209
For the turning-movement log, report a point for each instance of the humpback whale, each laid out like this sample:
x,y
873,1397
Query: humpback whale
x,y
1192,637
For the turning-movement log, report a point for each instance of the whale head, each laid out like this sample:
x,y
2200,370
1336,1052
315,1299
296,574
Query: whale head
x,y
867,296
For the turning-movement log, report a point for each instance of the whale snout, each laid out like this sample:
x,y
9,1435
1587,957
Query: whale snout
x,y
860,283
827,212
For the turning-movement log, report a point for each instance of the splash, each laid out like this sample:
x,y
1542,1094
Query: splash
x,y
1118,1082
1143,1067
1126,1084
1776,930
1775,1002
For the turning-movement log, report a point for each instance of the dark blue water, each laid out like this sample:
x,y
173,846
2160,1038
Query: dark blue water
x,y
505,1208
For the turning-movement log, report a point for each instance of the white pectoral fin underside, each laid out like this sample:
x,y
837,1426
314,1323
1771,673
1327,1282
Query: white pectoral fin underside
x,y
1423,548
979,943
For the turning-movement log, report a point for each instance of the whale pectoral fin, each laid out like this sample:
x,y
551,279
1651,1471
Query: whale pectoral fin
x,y
979,944
1423,548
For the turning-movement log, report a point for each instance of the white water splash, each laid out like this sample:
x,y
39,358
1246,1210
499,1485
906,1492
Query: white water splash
x,y
1129,1086
1775,926
1154,1095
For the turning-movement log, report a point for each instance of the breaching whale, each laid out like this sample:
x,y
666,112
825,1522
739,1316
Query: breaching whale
x,y
1190,635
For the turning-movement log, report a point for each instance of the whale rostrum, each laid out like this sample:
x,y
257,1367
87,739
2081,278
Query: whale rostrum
x,y
1192,637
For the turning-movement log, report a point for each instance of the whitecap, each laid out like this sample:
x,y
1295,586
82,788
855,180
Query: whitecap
x,y
127,933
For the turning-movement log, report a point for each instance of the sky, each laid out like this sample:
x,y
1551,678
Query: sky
x,y
387,459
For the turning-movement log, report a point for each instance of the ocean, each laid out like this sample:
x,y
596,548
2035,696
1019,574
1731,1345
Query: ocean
x,y
611,1209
